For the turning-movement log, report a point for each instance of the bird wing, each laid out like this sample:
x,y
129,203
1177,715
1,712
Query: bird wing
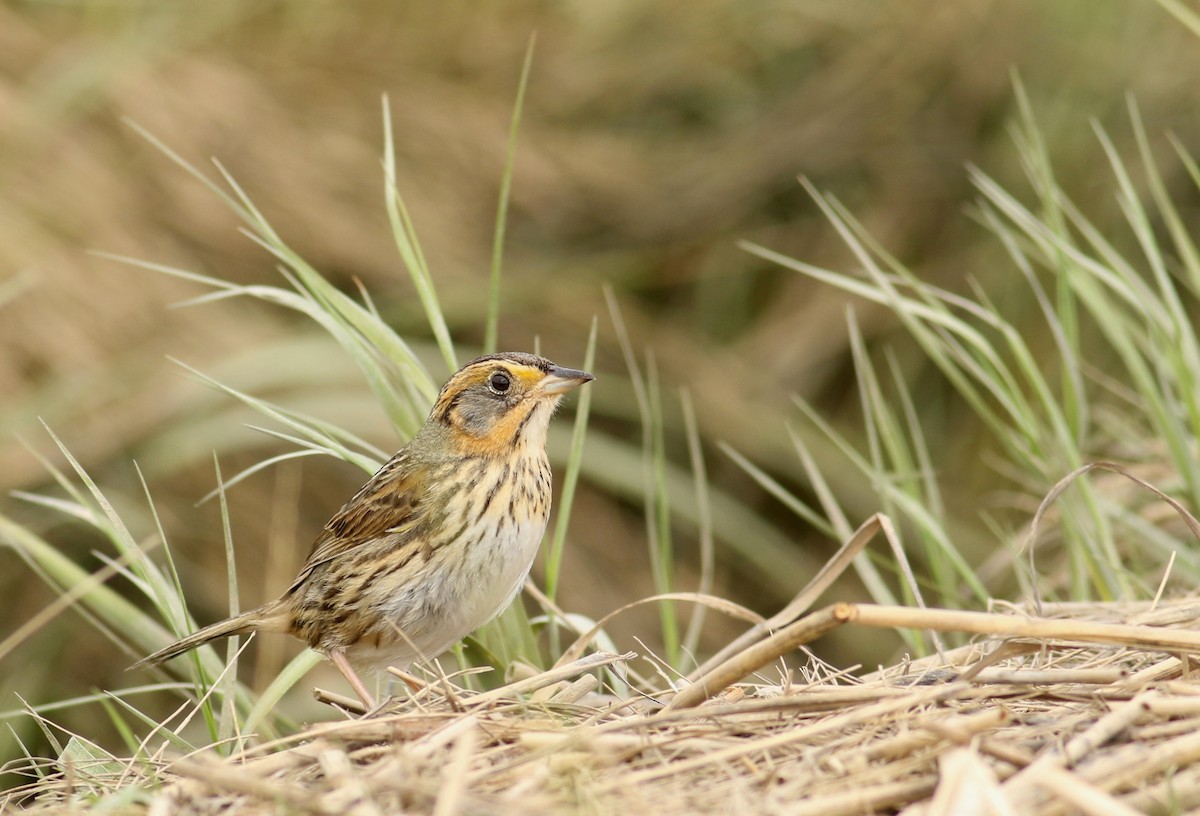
x,y
389,502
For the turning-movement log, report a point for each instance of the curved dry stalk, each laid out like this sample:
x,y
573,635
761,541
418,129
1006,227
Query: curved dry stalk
x,y
1067,481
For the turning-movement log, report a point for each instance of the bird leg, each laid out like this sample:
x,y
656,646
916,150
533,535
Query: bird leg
x,y
338,658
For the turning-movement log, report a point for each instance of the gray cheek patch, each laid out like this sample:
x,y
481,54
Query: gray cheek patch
x,y
478,413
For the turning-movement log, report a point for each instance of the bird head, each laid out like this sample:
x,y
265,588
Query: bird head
x,y
499,401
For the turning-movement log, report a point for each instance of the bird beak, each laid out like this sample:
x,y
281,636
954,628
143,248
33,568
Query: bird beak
x,y
559,380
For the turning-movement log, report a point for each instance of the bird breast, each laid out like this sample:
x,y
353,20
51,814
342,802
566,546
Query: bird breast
x,y
474,574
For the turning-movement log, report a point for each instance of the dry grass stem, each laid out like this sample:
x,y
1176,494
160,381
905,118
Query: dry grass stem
x,y
1105,676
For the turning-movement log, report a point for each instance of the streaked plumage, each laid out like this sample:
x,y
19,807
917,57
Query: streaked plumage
x,y
439,541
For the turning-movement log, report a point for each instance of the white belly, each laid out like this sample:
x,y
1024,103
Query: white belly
x,y
499,576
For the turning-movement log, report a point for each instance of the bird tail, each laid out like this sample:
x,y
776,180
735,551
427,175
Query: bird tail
x,y
247,622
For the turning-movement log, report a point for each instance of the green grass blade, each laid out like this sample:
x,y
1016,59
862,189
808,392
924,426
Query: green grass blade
x,y
405,236
492,326
571,475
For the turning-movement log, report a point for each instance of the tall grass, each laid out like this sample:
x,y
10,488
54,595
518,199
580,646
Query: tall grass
x,y
1121,382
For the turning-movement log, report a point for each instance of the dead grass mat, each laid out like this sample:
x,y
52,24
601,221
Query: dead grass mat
x,y
1019,721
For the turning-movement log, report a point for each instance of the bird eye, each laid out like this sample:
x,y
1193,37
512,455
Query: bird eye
x,y
499,382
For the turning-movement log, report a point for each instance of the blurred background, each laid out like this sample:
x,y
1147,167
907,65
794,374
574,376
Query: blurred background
x,y
655,136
